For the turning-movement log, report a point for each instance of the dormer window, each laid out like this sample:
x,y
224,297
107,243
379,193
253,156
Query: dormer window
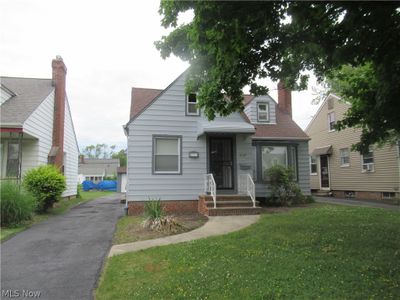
x,y
191,105
262,112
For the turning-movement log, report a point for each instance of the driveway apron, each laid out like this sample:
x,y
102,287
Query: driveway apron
x,y
62,257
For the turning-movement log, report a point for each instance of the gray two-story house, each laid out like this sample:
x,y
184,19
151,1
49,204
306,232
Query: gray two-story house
x,y
175,154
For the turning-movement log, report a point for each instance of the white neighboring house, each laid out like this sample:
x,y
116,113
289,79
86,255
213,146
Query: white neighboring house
x,y
175,154
37,127
95,169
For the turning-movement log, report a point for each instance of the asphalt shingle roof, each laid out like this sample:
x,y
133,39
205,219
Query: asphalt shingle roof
x,y
285,127
29,94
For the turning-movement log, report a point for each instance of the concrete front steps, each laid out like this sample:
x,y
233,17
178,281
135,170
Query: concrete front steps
x,y
228,205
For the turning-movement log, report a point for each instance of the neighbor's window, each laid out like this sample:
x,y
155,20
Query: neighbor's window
x,y
344,157
272,156
262,112
368,161
313,165
331,121
191,105
167,155
13,160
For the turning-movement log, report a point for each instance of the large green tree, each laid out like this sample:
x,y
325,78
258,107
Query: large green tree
x,y
231,45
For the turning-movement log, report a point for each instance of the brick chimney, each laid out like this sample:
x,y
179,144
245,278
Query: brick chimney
x,y
58,81
284,98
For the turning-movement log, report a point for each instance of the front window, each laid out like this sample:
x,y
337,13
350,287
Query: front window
x,y
367,160
331,121
262,112
13,160
313,165
167,155
344,157
191,105
272,156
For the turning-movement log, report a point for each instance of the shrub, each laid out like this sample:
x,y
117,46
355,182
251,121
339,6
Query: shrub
x,y
78,191
17,205
46,184
285,191
156,218
153,209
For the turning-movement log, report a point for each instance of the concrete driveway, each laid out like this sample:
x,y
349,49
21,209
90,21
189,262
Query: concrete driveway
x,y
62,257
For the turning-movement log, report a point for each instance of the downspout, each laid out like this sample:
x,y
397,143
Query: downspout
x,y
126,131
20,135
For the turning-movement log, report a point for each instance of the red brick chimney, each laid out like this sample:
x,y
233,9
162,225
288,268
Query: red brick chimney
x,y
284,98
58,81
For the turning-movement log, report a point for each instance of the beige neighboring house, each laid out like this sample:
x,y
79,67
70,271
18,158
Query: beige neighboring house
x,y
335,168
95,169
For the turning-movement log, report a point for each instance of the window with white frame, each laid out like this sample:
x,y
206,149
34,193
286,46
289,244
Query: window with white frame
x,y
167,154
331,121
191,105
344,157
367,161
313,165
262,112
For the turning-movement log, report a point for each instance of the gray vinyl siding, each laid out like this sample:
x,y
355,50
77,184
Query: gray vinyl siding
x,y
263,189
71,152
166,116
40,125
251,109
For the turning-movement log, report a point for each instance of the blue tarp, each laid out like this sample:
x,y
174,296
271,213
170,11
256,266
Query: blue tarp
x,y
105,185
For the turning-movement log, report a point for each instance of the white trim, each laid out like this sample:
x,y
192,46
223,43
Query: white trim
x,y
370,167
316,163
197,113
266,112
346,165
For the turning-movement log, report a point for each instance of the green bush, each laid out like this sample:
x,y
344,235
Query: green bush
x,y
17,205
153,209
78,191
285,191
46,184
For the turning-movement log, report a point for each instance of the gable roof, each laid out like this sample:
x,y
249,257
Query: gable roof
x,y
29,94
331,95
284,128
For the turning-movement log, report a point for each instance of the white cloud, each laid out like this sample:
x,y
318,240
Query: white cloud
x,y
108,47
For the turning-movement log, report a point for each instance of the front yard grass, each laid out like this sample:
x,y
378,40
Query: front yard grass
x,y
59,208
130,229
321,252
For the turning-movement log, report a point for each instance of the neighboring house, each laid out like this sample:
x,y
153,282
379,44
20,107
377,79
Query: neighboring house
x,y
95,169
172,146
36,126
121,179
335,169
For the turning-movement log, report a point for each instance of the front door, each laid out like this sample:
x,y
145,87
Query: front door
x,y
221,163
324,171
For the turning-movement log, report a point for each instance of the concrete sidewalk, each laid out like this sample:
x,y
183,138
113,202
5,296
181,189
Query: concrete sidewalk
x,y
214,226
350,202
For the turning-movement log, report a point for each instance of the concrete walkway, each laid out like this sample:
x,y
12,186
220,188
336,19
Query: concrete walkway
x,y
61,257
214,226
349,202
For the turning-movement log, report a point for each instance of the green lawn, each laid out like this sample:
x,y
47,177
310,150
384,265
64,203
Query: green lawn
x,y
60,208
321,252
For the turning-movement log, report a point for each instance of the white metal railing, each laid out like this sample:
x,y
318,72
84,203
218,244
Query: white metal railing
x,y
210,187
247,187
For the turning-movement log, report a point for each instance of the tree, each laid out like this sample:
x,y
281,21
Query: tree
x,y
98,151
231,45
121,155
